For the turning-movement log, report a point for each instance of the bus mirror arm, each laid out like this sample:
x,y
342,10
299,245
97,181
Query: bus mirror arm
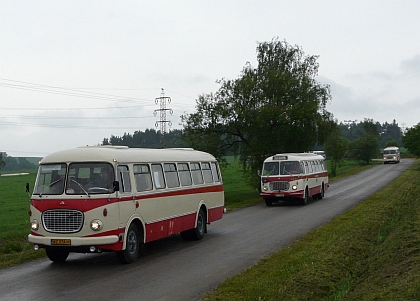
x,y
116,185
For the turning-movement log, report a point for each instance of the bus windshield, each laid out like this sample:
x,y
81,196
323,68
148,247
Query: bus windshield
x,y
81,178
286,168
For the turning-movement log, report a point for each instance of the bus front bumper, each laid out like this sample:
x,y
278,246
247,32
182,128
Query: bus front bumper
x,y
72,241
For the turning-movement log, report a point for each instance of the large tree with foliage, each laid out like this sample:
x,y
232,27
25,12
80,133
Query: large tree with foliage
x,y
336,148
275,107
411,140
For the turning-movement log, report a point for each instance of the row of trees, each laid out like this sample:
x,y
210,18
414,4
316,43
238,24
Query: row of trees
x,y
8,163
150,138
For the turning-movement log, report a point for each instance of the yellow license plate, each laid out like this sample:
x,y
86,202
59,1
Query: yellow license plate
x,y
61,242
279,195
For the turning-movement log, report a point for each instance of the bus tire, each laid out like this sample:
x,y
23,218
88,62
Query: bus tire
x,y
322,193
269,202
132,248
57,254
305,196
196,233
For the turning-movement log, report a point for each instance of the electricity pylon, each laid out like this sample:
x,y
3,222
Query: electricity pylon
x,y
163,122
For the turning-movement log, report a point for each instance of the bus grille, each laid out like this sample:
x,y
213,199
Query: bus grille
x,y
62,221
279,186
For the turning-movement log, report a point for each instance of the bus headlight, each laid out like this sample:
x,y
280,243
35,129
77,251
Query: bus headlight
x,y
34,225
294,187
96,225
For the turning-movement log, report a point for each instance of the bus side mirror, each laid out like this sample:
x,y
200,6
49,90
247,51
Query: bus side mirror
x,y
259,172
27,187
116,185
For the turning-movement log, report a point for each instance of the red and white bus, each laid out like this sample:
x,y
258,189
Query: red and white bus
x,y
293,176
110,198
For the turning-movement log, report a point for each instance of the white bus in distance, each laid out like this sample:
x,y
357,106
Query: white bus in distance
x,y
293,176
110,198
391,154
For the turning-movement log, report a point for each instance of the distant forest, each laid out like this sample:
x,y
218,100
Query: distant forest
x,y
151,138
148,139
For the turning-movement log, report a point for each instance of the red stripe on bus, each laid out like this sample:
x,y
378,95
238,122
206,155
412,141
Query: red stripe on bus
x,y
86,204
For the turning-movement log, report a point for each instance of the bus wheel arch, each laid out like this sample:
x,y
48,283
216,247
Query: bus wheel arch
x,y
133,243
200,228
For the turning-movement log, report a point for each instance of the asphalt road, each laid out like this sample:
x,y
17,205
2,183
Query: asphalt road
x,y
173,269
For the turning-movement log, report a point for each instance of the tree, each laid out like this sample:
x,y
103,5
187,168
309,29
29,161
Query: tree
x,y
411,140
390,131
2,163
391,143
366,147
276,107
336,148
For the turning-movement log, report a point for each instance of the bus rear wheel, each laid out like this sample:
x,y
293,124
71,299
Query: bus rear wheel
x,y
132,248
57,254
196,233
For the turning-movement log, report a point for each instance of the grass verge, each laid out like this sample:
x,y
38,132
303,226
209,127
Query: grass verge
x,y
369,253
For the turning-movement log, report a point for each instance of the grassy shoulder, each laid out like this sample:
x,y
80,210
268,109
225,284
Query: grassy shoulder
x,y
369,253
14,205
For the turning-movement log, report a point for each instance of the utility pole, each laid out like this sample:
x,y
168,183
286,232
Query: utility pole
x,y
162,101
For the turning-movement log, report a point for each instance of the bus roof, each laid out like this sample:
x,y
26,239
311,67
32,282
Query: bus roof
x,y
391,147
124,154
294,157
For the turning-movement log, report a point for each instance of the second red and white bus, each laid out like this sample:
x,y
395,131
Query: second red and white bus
x,y
293,176
109,198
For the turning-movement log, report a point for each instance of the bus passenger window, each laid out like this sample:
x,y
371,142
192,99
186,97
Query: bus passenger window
x,y
215,172
124,178
143,177
184,174
196,173
171,175
158,178
208,178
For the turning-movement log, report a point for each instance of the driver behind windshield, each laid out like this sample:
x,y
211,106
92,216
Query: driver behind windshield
x,y
101,181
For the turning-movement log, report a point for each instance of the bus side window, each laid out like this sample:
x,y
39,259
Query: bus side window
x,y
196,173
208,178
302,167
124,178
158,178
143,177
184,174
171,175
215,171
310,166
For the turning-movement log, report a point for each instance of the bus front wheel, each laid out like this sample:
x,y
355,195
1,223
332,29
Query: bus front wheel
x,y
57,254
305,197
132,247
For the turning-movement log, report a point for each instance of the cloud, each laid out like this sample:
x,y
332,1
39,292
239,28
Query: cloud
x,y
411,66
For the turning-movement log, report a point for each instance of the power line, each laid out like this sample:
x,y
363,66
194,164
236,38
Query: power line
x,y
67,91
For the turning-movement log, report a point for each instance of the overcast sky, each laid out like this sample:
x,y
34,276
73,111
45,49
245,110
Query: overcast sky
x,y
75,72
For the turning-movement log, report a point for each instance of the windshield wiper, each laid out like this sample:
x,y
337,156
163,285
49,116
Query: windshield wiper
x,y
81,187
51,184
